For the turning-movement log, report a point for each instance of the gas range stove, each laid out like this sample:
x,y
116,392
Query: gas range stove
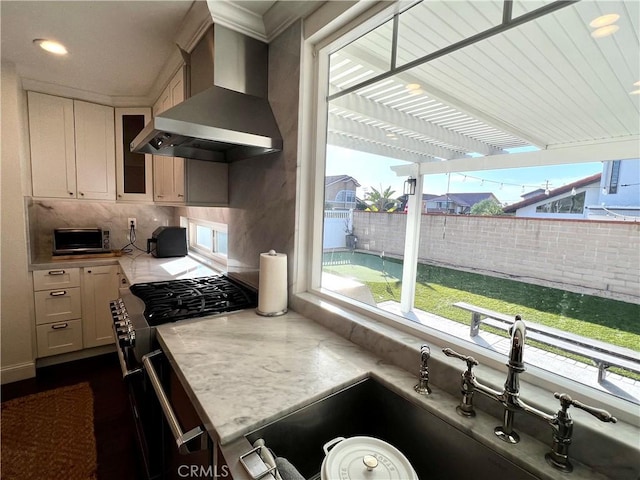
x,y
144,306
175,300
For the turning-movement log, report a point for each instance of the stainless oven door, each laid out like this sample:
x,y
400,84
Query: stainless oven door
x,y
187,448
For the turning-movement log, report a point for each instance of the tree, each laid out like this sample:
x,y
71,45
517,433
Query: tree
x,y
488,206
381,201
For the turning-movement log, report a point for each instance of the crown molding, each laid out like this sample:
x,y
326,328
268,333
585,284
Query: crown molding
x,y
284,13
236,18
264,28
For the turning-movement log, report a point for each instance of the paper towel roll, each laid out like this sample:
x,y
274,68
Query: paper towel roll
x,y
272,287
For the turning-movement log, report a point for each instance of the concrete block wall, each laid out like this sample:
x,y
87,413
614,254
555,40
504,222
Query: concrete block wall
x,y
584,256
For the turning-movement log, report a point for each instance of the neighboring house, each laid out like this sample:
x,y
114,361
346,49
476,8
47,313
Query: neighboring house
x,y
568,201
403,199
613,194
340,192
457,203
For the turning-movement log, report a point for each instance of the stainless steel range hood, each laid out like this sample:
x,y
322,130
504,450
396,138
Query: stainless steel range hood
x,y
225,121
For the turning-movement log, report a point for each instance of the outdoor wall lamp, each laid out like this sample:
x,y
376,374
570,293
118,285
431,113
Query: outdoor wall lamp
x,y
410,186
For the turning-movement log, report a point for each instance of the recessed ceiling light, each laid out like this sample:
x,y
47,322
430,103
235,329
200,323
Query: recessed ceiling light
x,y
51,46
412,86
637,84
605,31
635,92
604,20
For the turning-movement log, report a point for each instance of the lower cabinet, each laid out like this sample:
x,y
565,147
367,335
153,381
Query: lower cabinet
x,y
99,287
72,308
59,337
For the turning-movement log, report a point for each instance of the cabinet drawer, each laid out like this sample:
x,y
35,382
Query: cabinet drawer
x,y
56,278
60,337
58,305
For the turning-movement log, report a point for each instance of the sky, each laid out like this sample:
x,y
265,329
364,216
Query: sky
x,y
507,185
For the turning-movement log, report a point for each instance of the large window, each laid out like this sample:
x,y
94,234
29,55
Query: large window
x,y
509,153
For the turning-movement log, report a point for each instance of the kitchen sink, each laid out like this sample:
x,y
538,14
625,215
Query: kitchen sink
x,y
434,448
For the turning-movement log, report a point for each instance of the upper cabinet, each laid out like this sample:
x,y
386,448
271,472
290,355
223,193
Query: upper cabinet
x,y
72,148
168,172
134,172
53,151
95,151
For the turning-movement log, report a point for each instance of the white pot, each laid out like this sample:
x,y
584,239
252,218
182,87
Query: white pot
x,y
364,458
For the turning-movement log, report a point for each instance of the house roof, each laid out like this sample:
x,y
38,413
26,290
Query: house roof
x,y
465,199
331,179
553,193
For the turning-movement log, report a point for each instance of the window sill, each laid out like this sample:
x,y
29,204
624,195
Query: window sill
x,y
398,340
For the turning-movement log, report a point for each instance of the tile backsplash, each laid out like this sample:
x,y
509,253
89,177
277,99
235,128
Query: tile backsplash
x,y
46,215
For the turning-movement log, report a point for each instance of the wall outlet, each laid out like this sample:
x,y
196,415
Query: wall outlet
x,y
131,222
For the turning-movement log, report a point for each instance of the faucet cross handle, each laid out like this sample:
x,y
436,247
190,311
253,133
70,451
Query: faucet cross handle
x,y
566,401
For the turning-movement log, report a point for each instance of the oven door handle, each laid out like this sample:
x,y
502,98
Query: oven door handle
x,y
123,363
183,439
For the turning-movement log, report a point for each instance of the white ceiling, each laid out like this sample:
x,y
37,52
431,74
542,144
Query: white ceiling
x,y
547,83
116,48
121,51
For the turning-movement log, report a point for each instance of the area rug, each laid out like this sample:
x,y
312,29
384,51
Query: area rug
x,y
49,435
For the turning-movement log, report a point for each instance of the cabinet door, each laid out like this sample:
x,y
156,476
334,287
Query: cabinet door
x,y
99,287
95,151
168,174
207,183
51,136
134,170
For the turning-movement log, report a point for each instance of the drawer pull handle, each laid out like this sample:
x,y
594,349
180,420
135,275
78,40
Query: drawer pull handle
x,y
58,293
59,326
56,272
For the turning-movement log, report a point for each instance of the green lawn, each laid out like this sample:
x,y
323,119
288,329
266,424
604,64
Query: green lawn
x,y
438,288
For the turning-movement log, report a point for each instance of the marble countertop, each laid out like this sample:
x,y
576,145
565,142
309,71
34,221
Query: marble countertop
x,y
140,267
243,371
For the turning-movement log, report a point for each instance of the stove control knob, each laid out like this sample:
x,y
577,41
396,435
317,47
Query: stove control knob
x,y
127,339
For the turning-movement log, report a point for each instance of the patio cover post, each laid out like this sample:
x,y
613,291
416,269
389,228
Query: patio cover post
x,y
411,246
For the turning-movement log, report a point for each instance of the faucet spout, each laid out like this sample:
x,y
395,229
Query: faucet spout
x,y
516,355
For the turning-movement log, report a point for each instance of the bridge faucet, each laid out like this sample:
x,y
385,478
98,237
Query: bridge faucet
x,y
561,423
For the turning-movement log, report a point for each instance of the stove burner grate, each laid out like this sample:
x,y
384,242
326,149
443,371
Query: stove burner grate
x,y
169,301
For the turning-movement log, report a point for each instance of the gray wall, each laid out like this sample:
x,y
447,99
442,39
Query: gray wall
x,y
599,258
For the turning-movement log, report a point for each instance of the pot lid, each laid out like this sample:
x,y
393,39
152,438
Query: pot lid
x,y
369,458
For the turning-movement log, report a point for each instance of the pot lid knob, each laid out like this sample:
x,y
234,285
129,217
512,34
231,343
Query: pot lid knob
x,y
370,462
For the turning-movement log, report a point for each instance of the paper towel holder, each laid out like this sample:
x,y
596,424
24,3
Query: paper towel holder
x,y
271,314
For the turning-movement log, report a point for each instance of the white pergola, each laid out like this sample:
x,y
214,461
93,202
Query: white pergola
x,y
453,86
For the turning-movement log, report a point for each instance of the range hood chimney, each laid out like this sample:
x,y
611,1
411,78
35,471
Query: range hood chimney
x,y
228,116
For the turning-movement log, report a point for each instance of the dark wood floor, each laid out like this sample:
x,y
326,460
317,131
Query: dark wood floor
x,y
113,421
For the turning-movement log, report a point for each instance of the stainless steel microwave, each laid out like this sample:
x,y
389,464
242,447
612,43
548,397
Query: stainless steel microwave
x,y
70,241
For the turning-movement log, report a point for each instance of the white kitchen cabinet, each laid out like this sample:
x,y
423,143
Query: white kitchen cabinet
x,y
72,308
95,151
99,286
134,171
57,338
58,311
52,140
169,172
72,148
